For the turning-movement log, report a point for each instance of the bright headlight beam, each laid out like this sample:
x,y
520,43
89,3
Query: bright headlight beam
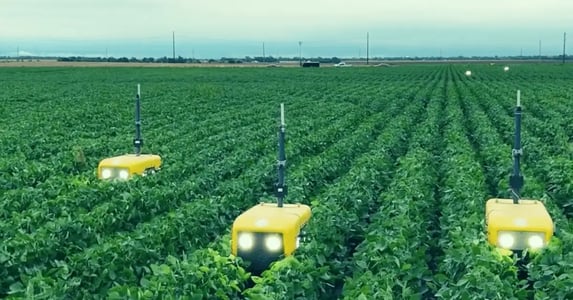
x,y
506,240
123,174
273,242
535,242
105,173
246,241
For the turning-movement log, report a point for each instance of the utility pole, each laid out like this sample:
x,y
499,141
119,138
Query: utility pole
x,y
17,53
173,46
367,46
300,53
264,52
539,50
564,40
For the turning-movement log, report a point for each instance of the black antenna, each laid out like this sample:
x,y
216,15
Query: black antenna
x,y
138,141
516,179
281,187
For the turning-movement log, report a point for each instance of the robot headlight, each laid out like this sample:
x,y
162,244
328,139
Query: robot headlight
x,y
115,173
246,241
535,241
273,242
106,173
519,240
505,240
123,174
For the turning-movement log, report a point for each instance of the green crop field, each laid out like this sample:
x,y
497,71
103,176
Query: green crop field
x,y
397,164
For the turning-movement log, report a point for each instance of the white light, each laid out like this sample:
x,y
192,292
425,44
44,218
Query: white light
x,y
261,223
273,242
468,73
520,222
123,174
535,242
506,240
246,241
506,69
297,242
105,173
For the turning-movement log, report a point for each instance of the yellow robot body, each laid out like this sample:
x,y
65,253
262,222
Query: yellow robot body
x,y
265,232
123,167
526,225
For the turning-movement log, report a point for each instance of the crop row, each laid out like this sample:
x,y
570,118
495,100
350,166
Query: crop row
x,y
203,168
165,284
547,273
205,147
397,164
469,267
174,197
340,216
395,259
225,189
128,210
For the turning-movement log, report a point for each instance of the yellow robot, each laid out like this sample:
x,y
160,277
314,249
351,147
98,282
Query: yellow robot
x,y
516,224
123,167
268,231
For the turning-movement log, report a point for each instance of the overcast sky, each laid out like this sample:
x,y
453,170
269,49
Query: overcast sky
x,y
216,28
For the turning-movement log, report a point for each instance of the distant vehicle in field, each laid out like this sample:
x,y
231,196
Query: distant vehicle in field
x,y
342,64
310,64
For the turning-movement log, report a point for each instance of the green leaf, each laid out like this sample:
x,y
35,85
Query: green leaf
x,y
16,287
